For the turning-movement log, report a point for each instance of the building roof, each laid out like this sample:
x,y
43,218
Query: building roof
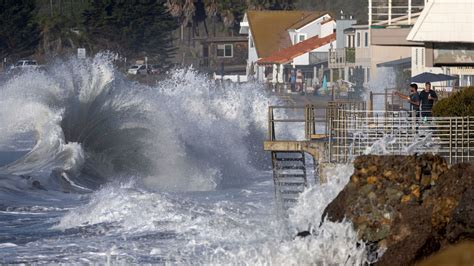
x,y
269,28
308,19
288,54
224,39
445,21
402,62
327,21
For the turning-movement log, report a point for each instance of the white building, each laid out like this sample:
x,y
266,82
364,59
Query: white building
x,y
445,30
283,39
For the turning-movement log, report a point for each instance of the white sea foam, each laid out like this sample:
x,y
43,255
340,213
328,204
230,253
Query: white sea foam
x,y
177,168
90,122
226,232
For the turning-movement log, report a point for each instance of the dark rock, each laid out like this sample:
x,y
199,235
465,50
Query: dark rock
x,y
456,255
303,234
410,206
37,185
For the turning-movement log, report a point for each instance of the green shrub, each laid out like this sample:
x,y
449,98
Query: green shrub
x,y
459,104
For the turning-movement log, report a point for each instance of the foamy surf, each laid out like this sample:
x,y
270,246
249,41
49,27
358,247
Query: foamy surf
x,y
173,173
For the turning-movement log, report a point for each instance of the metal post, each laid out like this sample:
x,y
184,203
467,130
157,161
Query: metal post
x,y
306,122
371,101
270,123
409,12
468,138
389,12
370,13
450,141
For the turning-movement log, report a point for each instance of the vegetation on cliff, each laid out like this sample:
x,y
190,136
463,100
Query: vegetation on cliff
x,y
459,104
132,28
19,32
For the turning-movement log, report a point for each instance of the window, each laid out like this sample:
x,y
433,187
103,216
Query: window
x,y
366,37
358,39
225,50
422,56
350,41
416,56
301,37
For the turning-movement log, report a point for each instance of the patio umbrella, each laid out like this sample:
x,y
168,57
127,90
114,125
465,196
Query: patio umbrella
x,y
431,77
446,77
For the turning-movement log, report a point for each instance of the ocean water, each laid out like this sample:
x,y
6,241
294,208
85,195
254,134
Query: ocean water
x,y
98,169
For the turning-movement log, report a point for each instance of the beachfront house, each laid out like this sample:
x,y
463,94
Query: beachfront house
x,y
350,58
283,40
446,41
391,53
224,55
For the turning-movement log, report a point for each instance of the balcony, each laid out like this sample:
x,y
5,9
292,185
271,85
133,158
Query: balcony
x,y
342,57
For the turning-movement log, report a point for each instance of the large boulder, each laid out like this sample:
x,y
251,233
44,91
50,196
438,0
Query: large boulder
x,y
407,206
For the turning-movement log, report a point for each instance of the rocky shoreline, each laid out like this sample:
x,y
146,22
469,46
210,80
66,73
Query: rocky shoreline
x,y
407,207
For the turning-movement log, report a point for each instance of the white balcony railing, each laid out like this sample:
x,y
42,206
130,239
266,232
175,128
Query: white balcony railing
x,y
388,12
349,57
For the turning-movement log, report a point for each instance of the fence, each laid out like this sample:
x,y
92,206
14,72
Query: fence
x,y
356,132
351,130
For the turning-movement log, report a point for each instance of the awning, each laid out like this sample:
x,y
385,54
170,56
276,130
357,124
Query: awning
x,y
404,62
431,77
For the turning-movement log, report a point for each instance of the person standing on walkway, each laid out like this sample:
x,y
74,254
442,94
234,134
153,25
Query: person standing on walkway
x,y
292,78
413,98
427,98
299,81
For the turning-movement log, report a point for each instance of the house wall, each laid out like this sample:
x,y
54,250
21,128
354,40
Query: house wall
x,y
252,58
311,30
304,59
315,28
417,60
252,53
381,54
364,35
238,58
301,60
340,27
395,36
328,28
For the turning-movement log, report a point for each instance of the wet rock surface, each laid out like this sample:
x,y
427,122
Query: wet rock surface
x,y
408,206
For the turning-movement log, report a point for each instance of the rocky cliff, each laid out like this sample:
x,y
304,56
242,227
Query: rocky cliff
x,y
408,207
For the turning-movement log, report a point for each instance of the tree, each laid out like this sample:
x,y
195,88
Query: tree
x,y
19,34
356,8
132,28
230,12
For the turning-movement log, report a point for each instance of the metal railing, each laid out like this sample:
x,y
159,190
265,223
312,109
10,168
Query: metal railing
x,y
308,116
316,119
351,130
388,12
355,133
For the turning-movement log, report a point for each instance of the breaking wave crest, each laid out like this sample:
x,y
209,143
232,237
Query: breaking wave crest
x,y
89,125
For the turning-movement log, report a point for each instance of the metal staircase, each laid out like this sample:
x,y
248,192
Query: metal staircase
x,y
289,176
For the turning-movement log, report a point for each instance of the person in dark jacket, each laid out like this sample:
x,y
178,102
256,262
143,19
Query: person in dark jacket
x,y
427,97
413,98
